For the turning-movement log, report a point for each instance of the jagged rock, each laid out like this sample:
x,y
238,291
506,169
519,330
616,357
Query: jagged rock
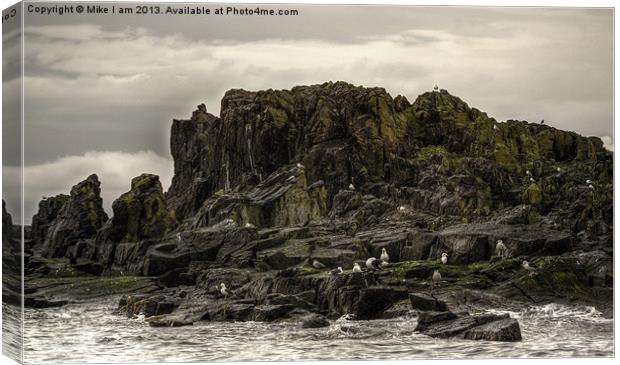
x,y
468,243
284,198
49,208
141,213
79,218
503,330
491,327
268,313
315,321
426,302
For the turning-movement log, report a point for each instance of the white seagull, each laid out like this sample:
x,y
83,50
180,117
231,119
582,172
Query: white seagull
x,y
435,279
401,208
444,258
249,225
337,271
588,181
558,169
300,166
590,186
532,179
351,187
179,238
384,256
528,172
494,127
526,266
356,267
500,249
223,290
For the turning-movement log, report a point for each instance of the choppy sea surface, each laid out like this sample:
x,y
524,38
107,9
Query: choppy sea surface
x,y
89,332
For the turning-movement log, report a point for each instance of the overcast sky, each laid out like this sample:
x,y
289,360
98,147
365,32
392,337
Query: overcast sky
x,y
101,91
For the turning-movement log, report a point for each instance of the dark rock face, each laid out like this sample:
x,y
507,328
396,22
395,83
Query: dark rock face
x,y
426,302
490,327
139,214
49,209
503,330
79,218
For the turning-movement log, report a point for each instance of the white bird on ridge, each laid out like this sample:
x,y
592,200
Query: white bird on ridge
x,y
356,267
444,258
384,256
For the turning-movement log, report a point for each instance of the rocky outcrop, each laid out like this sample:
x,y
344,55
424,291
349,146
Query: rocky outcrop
x,y
139,214
49,208
80,218
435,320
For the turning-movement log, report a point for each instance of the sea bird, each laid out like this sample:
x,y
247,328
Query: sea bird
x,y
532,179
401,208
384,256
356,267
223,290
588,181
559,169
590,186
337,271
444,258
317,264
300,166
526,266
351,186
179,238
500,249
528,172
435,279
249,225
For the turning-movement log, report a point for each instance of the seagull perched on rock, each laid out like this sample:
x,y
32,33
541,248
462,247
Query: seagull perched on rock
x,y
356,267
249,225
500,249
444,258
384,256
494,127
401,208
590,186
179,238
371,264
558,169
528,172
300,166
435,279
337,271
317,264
223,290
532,179
526,266
588,181
351,186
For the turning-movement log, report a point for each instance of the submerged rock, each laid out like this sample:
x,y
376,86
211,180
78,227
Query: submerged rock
x,y
315,321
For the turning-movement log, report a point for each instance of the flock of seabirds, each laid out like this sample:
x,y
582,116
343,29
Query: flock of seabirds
x,y
377,264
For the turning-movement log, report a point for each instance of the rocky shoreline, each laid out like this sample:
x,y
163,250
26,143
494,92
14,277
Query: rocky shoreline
x,y
336,174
